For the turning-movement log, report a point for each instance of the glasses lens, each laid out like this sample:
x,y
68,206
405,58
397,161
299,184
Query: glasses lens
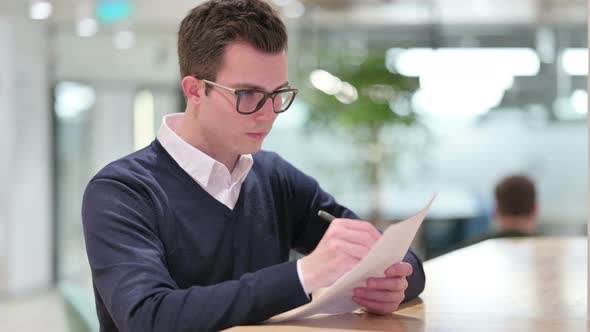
x,y
283,100
249,100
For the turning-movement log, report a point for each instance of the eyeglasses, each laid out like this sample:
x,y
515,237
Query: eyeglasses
x,y
252,100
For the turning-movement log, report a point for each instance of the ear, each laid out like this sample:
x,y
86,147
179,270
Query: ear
x,y
193,89
535,212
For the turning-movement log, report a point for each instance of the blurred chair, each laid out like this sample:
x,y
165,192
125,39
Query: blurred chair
x,y
79,308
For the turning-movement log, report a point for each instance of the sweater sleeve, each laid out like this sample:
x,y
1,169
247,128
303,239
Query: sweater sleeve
x,y
310,228
130,274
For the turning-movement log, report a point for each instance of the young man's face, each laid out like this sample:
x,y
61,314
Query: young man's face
x,y
243,67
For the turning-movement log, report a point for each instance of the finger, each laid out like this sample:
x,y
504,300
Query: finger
x,y
354,236
376,307
384,296
354,250
390,283
401,269
360,225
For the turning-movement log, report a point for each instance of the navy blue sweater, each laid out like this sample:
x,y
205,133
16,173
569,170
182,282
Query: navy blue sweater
x,y
167,256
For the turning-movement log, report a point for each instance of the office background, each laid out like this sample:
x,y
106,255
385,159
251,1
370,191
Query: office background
x,y
491,88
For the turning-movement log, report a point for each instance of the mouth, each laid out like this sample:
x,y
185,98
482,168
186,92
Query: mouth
x,y
256,136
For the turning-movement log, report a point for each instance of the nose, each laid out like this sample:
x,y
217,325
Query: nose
x,y
266,112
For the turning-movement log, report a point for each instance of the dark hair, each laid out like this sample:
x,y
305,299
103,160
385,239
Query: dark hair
x,y
209,27
515,196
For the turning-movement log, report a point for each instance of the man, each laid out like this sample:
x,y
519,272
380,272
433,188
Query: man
x,y
193,232
516,207
516,211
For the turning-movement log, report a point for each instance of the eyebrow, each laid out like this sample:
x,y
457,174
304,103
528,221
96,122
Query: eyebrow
x,y
256,87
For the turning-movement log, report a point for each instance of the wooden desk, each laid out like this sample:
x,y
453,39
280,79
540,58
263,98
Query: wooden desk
x,y
520,285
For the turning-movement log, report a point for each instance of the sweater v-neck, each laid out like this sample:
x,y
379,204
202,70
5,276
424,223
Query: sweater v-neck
x,y
192,185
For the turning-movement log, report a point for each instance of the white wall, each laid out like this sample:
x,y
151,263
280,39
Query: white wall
x,y
25,217
152,59
6,142
112,124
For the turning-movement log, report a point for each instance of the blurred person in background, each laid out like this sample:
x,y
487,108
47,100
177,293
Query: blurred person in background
x,y
193,232
516,211
516,207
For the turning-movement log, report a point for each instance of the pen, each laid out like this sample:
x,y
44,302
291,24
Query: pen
x,y
326,216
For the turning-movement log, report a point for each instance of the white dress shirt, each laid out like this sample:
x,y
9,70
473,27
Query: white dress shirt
x,y
209,173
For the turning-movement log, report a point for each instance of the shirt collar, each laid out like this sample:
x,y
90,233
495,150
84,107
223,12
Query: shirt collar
x,y
201,167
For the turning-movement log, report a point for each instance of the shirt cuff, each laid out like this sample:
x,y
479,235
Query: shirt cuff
x,y
300,275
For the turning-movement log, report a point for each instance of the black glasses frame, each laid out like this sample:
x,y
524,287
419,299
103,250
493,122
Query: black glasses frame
x,y
241,92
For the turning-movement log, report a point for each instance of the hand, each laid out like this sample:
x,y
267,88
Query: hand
x,y
382,296
343,245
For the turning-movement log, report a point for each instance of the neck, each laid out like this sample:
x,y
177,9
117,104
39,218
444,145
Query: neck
x,y
190,132
524,224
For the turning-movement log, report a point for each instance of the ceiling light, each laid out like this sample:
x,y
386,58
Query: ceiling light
x,y
348,94
574,61
324,81
294,9
579,101
40,10
86,27
416,61
73,99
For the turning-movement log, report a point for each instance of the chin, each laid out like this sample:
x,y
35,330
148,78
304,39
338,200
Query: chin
x,y
251,149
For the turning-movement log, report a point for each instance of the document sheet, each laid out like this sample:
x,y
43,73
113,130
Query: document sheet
x,y
391,248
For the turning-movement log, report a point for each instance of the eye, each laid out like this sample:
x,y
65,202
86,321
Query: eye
x,y
249,94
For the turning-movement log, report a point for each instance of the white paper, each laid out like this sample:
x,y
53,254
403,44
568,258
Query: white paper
x,y
391,248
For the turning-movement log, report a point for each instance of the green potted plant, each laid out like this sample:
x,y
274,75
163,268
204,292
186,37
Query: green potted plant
x,y
364,100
